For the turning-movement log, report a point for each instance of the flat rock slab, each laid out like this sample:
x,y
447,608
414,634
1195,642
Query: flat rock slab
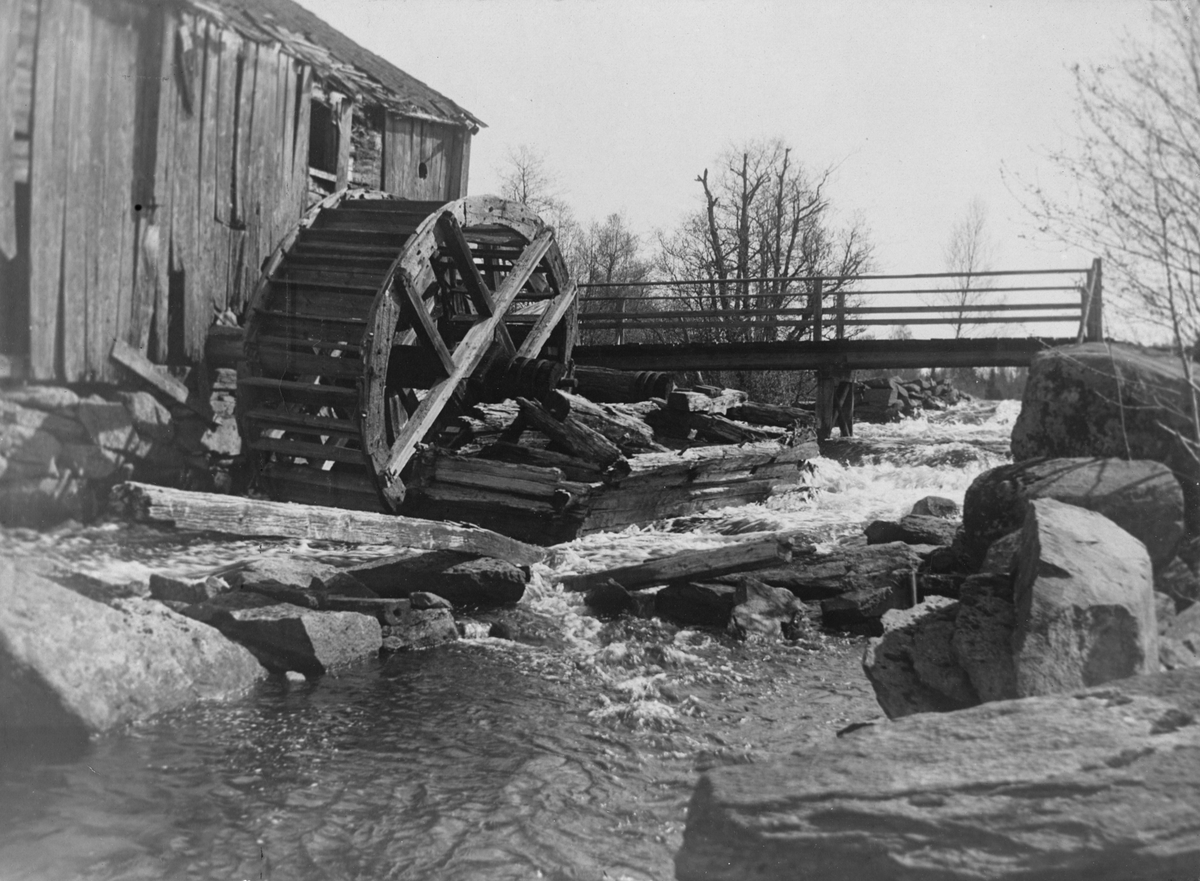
x,y
914,529
1102,784
814,577
466,580
286,637
68,662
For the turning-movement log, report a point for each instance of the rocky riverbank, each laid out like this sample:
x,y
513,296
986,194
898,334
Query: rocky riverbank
x,y
1039,738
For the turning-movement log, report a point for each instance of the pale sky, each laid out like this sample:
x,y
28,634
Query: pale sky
x,y
919,104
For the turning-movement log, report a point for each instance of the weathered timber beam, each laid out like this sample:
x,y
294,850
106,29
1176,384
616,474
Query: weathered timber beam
x,y
630,434
555,310
691,565
234,515
853,354
573,436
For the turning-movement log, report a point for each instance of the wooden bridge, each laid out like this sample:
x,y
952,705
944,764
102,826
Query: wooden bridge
x,y
828,324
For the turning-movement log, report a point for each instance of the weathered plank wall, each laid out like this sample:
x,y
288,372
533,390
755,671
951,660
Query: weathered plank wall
x,y
168,157
443,150
18,37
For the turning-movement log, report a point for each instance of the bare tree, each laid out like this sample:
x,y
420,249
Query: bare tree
x,y
1134,175
968,251
763,215
526,177
610,253
1134,172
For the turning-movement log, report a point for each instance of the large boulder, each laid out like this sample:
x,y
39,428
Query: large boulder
x,y
71,664
465,580
1084,598
285,637
983,635
1103,784
912,666
1142,497
1105,399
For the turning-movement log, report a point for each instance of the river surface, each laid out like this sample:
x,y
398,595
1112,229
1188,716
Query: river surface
x,y
570,755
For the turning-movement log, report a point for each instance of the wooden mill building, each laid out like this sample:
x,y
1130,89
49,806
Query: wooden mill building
x,y
157,152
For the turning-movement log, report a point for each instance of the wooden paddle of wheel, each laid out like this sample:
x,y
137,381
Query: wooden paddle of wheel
x,y
368,320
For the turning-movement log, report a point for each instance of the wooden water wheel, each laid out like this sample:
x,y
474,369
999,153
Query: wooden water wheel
x,y
367,324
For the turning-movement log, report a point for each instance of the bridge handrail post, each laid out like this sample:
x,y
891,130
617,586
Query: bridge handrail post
x,y
1095,326
818,292
840,319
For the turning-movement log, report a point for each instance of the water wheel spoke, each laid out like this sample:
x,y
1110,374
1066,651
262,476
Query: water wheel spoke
x,y
422,322
467,355
454,243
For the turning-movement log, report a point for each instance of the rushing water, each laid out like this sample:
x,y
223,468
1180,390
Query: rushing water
x,y
570,758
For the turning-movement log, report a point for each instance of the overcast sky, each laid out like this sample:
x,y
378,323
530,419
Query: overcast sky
x,y
918,103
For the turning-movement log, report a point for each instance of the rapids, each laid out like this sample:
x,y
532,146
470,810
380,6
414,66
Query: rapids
x,y
487,759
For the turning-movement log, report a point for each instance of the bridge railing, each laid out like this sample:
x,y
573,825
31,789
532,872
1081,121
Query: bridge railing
x,y
819,308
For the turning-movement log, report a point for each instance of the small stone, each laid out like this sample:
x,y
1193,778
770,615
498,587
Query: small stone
x,y
915,529
51,398
609,599
150,418
860,611
423,599
937,506
697,604
420,628
165,588
110,426
293,676
224,440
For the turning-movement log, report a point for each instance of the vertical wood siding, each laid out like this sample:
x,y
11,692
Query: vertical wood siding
x,y
150,213
408,143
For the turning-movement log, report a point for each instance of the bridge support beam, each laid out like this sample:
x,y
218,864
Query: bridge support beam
x,y
835,401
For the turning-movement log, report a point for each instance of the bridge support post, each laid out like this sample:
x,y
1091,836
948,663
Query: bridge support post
x,y
835,401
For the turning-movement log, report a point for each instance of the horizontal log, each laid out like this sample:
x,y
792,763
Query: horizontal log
x,y
574,437
572,467
630,434
712,460
233,515
769,414
690,565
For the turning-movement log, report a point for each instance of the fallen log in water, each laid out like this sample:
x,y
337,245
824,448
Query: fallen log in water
x,y
690,565
234,515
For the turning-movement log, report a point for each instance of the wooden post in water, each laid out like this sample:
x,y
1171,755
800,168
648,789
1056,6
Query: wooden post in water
x,y
834,410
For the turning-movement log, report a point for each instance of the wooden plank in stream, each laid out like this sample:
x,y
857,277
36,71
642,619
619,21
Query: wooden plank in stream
x,y
690,565
239,516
